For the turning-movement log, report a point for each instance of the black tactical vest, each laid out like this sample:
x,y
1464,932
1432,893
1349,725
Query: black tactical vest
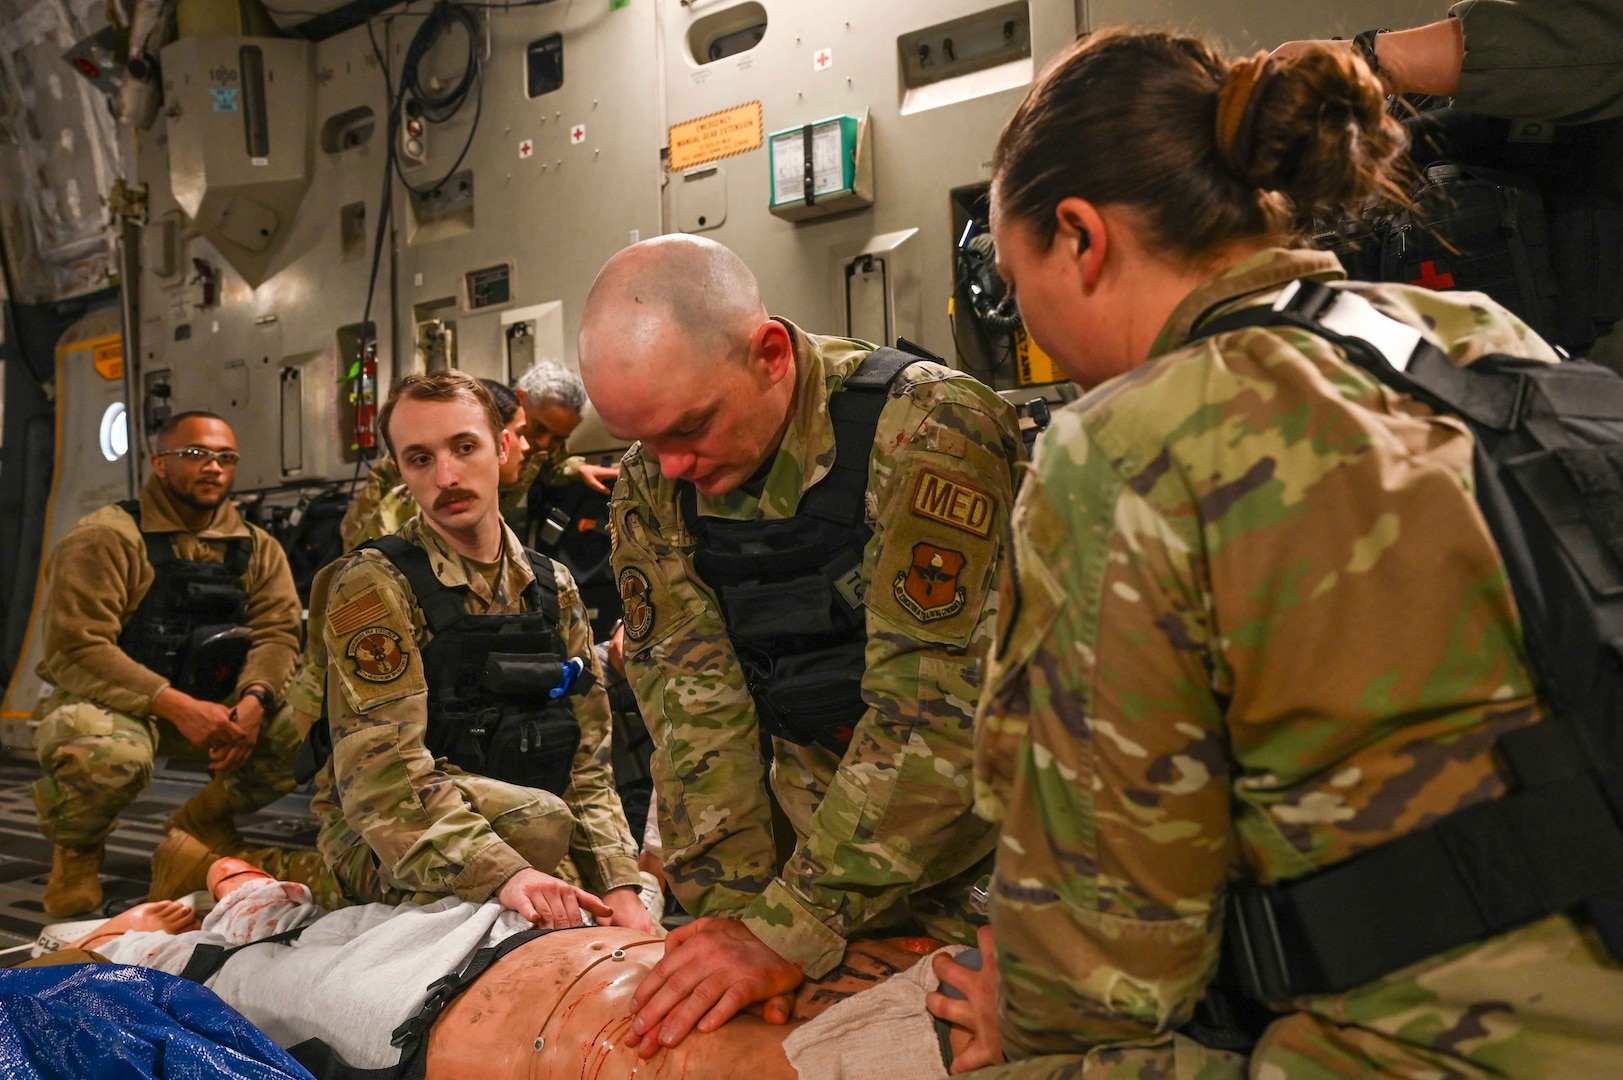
x,y
189,626
791,589
498,685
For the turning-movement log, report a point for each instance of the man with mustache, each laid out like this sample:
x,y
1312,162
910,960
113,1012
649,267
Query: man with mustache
x,y
170,622
468,754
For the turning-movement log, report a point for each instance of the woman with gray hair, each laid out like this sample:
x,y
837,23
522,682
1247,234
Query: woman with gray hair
x,y
554,398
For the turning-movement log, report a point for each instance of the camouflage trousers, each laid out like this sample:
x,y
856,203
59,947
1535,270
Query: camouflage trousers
x,y
97,761
1538,1003
536,824
1172,1057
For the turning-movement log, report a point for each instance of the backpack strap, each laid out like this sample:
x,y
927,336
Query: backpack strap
x,y
1551,844
542,593
854,410
441,604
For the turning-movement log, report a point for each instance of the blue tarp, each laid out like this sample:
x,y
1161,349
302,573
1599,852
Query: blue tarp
x,y
112,1022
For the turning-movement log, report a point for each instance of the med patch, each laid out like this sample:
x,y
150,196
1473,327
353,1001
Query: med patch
x,y
377,655
952,501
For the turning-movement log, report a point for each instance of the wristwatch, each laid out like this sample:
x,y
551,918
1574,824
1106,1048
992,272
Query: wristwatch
x,y
267,700
1366,45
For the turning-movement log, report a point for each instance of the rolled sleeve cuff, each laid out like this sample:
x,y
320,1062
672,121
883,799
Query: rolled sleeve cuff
x,y
794,931
618,870
488,871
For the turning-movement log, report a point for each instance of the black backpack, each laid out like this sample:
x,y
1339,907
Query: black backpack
x,y
1548,464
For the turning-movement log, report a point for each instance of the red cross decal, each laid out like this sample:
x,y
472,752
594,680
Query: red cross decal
x,y
577,134
823,60
1430,279
526,148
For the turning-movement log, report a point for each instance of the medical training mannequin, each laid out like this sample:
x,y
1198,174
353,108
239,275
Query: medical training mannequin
x,y
559,1008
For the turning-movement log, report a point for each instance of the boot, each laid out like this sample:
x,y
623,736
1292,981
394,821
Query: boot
x,y
74,886
180,866
210,816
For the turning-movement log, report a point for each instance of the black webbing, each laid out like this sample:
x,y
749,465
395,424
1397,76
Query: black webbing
x,y
441,605
207,960
239,551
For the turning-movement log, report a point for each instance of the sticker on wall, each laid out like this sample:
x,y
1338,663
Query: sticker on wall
x,y
715,136
577,134
526,149
225,98
822,59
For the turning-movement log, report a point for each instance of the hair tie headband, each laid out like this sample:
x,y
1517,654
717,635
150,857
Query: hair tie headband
x,y
1236,114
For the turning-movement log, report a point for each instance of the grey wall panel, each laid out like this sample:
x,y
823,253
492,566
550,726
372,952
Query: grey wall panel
x,y
918,158
558,212
234,357
1244,26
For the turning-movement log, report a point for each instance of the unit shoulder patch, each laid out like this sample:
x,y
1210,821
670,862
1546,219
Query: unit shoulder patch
x,y
953,501
928,589
637,600
377,655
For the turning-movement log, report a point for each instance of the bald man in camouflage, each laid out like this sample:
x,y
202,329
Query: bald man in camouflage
x,y
834,676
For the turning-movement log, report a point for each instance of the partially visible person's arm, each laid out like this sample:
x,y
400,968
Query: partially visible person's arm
x,y
602,845
1523,59
93,576
1541,60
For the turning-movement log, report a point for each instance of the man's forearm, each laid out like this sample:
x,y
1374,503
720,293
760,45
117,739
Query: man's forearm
x,y
1424,60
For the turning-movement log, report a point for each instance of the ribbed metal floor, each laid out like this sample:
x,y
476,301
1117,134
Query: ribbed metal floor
x,y
25,855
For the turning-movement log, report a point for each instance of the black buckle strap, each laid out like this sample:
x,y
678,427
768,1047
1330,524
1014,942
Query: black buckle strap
x,y
1546,847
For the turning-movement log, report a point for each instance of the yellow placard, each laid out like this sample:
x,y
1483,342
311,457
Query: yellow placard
x,y
109,360
722,134
1036,366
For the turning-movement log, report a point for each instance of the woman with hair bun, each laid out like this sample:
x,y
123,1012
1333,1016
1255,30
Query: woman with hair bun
x,y
1254,622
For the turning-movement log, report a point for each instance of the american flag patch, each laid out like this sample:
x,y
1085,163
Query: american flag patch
x,y
365,608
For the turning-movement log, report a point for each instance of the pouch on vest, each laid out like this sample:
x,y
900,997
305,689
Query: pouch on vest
x,y
1548,465
212,659
188,627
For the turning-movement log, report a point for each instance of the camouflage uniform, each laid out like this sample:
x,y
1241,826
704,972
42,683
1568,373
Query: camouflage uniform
x,y
384,503
96,737
885,837
1261,626
399,825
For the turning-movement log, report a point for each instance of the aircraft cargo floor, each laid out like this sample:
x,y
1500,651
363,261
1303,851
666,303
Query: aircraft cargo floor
x,y
25,855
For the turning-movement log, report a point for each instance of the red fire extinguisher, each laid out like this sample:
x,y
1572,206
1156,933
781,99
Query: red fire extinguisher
x,y
366,398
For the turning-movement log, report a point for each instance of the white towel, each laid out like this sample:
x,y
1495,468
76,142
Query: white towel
x,y
880,1034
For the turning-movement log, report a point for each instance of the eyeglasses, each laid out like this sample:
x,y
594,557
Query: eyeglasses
x,y
197,455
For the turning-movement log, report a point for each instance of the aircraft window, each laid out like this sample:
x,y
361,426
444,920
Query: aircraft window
x,y
115,432
727,33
